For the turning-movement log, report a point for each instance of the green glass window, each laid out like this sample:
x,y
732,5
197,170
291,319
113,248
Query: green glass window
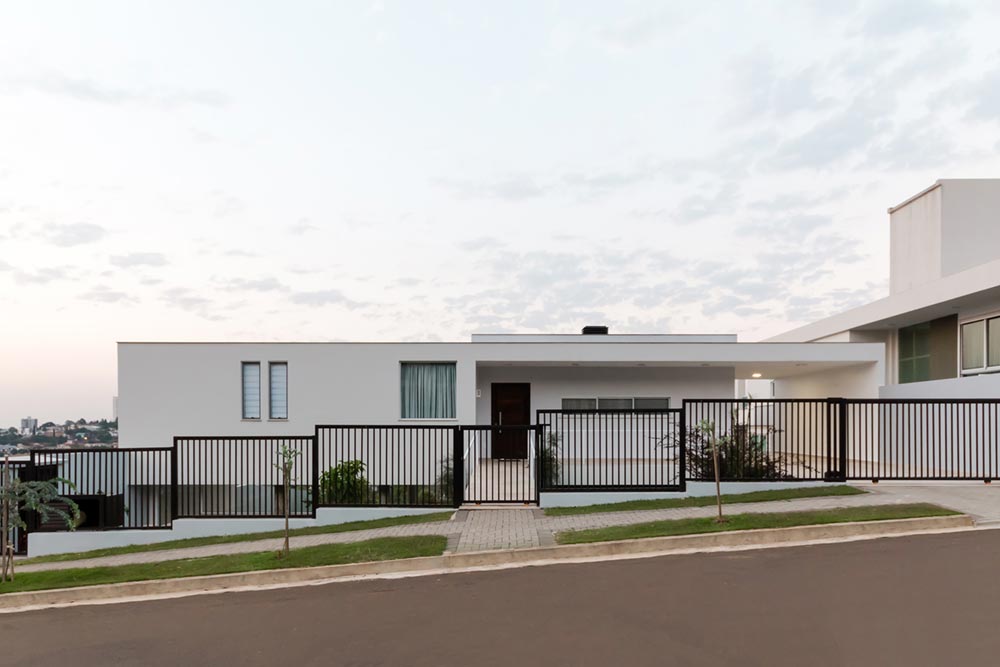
x,y
974,345
915,353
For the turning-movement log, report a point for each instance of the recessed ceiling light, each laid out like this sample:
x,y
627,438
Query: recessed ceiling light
x,y
755,375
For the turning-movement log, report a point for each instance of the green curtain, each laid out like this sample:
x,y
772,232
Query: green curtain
x,y
428,391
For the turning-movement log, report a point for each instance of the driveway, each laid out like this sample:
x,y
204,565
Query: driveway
x,y
980,501
914,601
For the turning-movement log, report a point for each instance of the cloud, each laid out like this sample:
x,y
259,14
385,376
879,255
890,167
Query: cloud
x,y
185,299
700,206
513,187
637,31
85,90
301,227
329,297
902,16
256,285
138,259
66,236
103,294
846,132
41,276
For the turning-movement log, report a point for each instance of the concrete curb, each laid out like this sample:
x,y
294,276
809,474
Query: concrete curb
x,y
484,559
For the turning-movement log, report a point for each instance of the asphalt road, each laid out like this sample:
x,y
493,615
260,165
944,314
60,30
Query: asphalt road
x,y
906,601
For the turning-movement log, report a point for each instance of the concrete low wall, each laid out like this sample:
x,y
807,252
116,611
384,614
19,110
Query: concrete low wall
x,y
577,498
44,544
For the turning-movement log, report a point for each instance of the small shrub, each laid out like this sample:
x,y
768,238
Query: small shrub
x,y
344,484
548,460
742,455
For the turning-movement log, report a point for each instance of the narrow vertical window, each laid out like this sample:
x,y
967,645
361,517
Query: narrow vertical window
x,y
278,396
974,345
251,390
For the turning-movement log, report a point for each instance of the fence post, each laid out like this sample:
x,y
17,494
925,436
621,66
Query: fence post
x,y
173,482
682,447
458,467
842,436
315,470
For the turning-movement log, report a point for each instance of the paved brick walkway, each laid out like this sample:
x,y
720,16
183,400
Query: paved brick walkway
x,y
478,529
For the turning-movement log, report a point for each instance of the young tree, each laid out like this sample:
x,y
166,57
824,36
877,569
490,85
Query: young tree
x,y
41,497
286,464
707,430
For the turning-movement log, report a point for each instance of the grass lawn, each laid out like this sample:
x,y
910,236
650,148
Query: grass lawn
x,y
383,548
751,521
704,501
243,537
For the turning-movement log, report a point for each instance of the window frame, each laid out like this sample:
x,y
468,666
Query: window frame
x,y
270,393
597,403
243,392
986,367
435,362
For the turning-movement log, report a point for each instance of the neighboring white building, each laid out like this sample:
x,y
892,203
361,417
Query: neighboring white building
x,y
29,425
940,324
246,389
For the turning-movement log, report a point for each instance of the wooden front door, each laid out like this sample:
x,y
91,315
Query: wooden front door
x,y
511,407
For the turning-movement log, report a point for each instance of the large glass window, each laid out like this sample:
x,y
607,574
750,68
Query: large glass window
x,y
993,338
427,390
974,345
251,390
278,394
915,353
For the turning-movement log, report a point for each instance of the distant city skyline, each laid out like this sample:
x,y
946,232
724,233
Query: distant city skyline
x,y
422,171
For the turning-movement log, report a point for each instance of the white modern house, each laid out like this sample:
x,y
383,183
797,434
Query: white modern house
x,y
940,323
563,419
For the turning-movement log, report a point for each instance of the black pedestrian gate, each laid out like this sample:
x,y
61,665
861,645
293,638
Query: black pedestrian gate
x,y
493,470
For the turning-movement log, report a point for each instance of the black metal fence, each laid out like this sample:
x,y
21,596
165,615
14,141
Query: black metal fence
x,y
763,440
18,470
500,463
611,450
402,465
113,488
405,465
234,477
922,439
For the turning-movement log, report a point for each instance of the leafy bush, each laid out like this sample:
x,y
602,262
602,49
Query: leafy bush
x,y
548,460
344,484
742,455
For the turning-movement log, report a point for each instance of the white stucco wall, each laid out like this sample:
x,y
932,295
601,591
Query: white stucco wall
x,y
44,544
549,385
970,223
976,386
915,242
861,381
194,389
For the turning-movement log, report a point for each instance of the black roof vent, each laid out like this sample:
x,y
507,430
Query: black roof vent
x,y
595,331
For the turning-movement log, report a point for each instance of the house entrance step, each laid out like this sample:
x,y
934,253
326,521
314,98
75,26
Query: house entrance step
x,y
499,506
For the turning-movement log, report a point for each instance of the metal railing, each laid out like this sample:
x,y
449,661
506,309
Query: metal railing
x,y
503,470
400,465
914,439
611,449
762,440
113,488
236,477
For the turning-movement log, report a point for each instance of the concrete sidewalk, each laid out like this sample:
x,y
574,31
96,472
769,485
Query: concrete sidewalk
x,y
978,500
479,530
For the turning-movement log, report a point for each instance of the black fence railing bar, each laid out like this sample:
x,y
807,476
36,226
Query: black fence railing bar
x,y
611,449
113,488
501,463
400,465
762,439
239,477
922,439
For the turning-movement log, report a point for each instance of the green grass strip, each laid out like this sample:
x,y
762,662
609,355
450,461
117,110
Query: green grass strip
x,y
704,501
383,548
243,537
751,522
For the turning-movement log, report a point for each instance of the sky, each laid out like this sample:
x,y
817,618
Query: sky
x,y
423,170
